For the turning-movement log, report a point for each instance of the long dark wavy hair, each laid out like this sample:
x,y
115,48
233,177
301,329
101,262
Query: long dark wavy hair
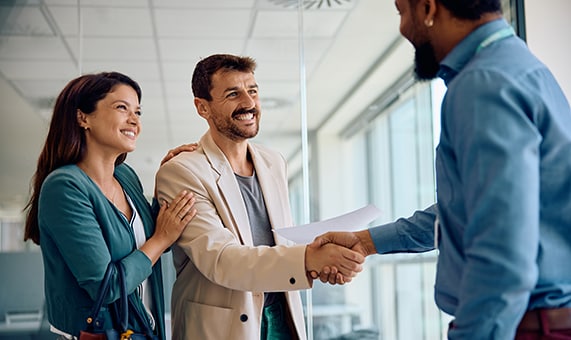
x,y
65,143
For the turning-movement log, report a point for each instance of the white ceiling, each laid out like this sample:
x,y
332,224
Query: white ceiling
x,y
45,43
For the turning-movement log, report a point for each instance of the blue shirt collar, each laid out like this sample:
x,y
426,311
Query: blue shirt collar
x,y
461,54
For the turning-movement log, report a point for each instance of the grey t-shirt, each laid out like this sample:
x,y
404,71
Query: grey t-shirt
x,y
258,216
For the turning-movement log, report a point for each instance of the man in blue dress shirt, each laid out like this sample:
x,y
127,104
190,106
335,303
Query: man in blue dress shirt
x,y
502,221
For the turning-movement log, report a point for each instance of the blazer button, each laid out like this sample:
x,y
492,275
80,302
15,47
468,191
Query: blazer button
x,y
292,280
243,318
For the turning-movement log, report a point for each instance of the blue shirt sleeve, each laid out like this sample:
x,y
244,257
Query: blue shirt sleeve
x,y
414,234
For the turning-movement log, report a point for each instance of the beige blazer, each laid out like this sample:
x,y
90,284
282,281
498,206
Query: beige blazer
x,y
221,277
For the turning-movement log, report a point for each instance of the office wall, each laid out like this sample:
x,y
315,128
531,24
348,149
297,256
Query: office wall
x,y
547,30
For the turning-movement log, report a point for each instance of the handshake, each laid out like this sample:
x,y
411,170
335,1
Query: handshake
x,y
337,257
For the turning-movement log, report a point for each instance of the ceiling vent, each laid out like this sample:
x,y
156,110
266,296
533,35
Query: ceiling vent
x,y
312,4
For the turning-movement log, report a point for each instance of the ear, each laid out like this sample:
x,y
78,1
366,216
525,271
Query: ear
x,y
82,120
202,107
429,12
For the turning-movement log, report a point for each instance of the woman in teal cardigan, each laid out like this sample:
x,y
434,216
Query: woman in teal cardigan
x,y
87,207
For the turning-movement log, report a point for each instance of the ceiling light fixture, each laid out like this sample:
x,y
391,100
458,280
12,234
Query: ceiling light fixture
x,y
309,4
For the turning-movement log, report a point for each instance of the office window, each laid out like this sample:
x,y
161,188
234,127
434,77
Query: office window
x,y
12,235
401,162
390,164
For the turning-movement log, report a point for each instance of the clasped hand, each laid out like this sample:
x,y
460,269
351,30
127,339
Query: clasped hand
x,y
338,261
351,249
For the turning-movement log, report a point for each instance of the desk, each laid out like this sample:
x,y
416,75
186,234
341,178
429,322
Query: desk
x,y
21,323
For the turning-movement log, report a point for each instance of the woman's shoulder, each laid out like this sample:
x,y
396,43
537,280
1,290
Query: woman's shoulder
x,y
65,173
125,170
126,174
66,181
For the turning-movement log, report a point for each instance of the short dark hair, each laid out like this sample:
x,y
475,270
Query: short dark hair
x,y
202,75
469,9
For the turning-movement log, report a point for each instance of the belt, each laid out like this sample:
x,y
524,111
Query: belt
x,y
546,319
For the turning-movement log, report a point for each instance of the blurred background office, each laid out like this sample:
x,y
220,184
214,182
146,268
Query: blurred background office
x,y
339,101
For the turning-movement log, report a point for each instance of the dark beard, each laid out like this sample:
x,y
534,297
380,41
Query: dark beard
x,y
233,132
425,64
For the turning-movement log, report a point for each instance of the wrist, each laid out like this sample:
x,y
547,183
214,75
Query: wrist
x,y
367,241
307,259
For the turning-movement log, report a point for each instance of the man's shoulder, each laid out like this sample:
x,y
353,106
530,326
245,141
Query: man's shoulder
x,y
507,59
196,163
265,152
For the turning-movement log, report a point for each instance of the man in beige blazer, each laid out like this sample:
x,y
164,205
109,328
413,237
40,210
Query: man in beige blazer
x,y
235,278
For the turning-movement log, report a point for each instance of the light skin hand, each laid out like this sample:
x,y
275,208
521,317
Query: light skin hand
x,y
347,263
359,241
181,148
171,221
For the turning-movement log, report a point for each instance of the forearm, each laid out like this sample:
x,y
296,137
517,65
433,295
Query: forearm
x,y
227,263
412,234
154,248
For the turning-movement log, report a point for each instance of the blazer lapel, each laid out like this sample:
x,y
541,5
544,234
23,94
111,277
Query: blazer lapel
x,y
271,188
228,187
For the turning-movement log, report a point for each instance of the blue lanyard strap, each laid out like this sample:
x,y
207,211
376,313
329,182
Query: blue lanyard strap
x,y
501,34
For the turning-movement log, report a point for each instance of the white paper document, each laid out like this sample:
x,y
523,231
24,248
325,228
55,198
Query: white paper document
x,y
352,221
